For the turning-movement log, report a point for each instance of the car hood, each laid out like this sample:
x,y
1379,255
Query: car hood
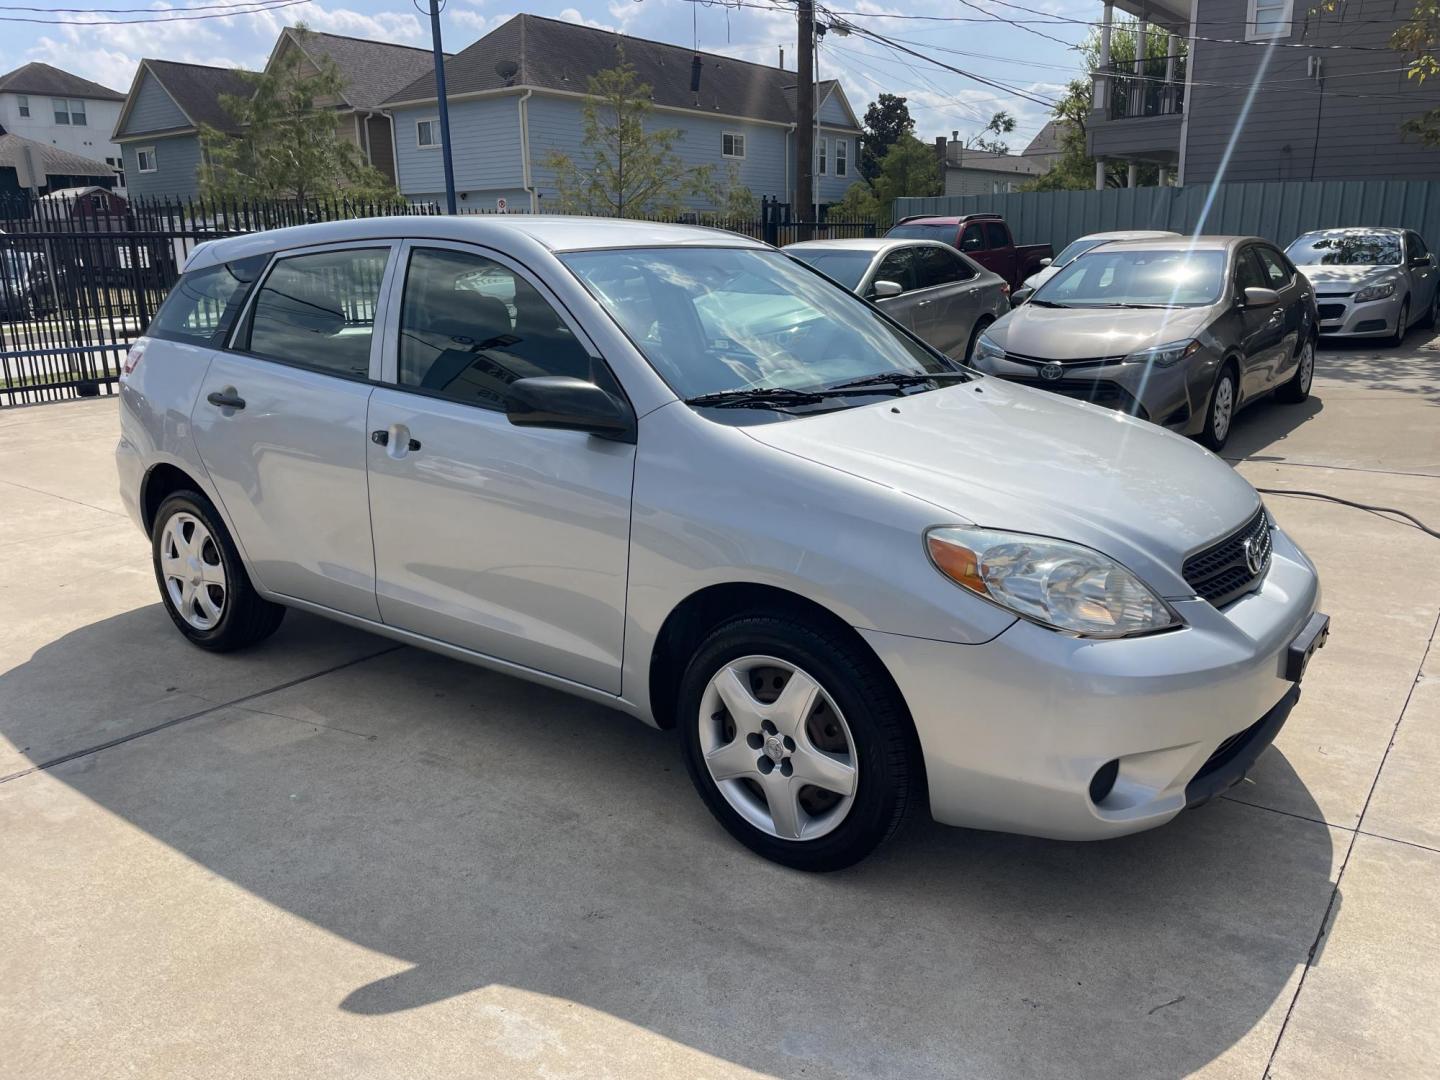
x,y
1319,275
1003,456
1085,333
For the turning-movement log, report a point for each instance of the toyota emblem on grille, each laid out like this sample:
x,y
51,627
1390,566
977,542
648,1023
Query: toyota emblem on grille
x,y
1254,556
1051,371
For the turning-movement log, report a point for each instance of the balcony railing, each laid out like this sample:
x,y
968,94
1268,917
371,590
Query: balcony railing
x,y
1130,95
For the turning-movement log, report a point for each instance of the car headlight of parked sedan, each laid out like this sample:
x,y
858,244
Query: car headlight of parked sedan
x,y
1375,292
1051,582
1165,355
986,349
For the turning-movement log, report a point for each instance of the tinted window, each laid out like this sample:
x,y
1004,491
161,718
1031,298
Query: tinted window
x,y
469,327
943,233
939,266
1123,276
1418,251
1248,272
1276,273
899,267
972,239
203,304
846,267
1346,248
997,235
1074,250
318,311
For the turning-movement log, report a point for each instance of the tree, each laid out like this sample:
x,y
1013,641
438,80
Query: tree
x,y
1075,169
289,145
989,138
910,168
887,120
734,201
629,170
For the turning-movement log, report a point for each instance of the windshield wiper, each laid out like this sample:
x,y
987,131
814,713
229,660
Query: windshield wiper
x,y
1045,303
900,378
763,396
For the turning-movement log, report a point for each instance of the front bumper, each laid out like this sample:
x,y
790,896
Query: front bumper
x,y
1340,316
1015,731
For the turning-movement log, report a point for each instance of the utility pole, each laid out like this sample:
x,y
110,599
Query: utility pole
x,y
804,199
444,107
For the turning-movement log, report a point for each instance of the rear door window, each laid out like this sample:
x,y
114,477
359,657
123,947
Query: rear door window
x,y
203,305
997,235
317,311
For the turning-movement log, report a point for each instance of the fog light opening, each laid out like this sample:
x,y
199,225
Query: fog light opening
x,y
1103,781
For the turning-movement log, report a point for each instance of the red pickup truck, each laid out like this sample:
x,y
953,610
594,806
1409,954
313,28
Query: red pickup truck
x,y
985,238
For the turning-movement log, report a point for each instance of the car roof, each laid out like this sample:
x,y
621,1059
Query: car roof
x,y
1194,243
1131,234
1343,229
951,219
873,244
551,232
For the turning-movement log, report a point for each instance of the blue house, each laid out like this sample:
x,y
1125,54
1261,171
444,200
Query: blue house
x,y
518,94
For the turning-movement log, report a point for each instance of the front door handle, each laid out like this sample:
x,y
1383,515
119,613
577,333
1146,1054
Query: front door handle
x,y
404,444
226,399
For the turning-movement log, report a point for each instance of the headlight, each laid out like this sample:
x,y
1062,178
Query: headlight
x,y
985,349
1374,292
1056,584
1164,355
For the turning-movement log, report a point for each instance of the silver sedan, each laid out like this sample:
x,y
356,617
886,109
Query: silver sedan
x,y
1369,282
947,299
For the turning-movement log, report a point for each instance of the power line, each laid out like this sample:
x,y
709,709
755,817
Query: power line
x,y
230,12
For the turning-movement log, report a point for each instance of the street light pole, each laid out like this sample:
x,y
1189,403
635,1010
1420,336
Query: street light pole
x,y
444,107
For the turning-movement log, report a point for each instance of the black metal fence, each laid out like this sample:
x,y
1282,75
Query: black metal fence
x,y
80,280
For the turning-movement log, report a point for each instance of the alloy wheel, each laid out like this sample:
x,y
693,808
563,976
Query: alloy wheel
x,y
778,748
193,572
1223,408
1307,366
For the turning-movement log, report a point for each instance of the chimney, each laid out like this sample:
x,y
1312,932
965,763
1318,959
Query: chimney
x,y
782,57
940,151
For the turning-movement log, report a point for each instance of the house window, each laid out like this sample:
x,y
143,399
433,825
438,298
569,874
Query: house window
x,y
732,145
118,165
822,148
1269,18
77,112
62,110
24,106
427,134
145,159
842,157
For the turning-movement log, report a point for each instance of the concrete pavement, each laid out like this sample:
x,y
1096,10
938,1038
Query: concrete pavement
x,y
335,857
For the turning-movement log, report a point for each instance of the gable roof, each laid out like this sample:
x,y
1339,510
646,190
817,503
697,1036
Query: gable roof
x,y
37,78
959,156
555,55
196,89
51,159
1046,142
372,70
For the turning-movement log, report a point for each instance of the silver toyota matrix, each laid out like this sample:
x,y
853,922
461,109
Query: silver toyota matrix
x,y
674,471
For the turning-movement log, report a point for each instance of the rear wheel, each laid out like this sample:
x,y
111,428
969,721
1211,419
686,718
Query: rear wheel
x,y
203,583
797,742
1298,388
1221,410
1432,313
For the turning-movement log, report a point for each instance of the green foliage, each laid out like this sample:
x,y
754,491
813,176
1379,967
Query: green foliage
x,y
909,168
989,138
1417,39
630,170
887,120
289,145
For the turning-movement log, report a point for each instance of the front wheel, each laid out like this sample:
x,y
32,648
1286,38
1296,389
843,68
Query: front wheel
x,y
797,741
1220,412
1298,388
1402,324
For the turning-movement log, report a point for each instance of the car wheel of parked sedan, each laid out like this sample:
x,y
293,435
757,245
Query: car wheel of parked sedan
x,y
797,741
1298,388
1402,324
203,583
1221,411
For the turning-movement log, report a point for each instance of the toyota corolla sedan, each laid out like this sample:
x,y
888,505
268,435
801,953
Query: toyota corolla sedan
x,y
1183,333
1369,282
671,470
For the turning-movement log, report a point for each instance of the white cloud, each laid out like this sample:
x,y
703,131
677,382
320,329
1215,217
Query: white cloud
x,y
571,15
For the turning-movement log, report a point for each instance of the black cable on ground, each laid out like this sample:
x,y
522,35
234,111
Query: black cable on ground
x,y
1357,505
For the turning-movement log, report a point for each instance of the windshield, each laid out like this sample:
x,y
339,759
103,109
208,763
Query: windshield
x,y
1130,278
717,319
1074,251
1346,249
944,233
846,267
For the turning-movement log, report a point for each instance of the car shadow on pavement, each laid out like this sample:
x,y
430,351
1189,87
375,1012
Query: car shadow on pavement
x,y
1410,368
483,831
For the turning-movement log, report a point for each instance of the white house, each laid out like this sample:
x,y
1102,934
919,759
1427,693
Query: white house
x,y
53,107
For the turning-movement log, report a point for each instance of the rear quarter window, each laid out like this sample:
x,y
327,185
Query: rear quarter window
x,y
203,304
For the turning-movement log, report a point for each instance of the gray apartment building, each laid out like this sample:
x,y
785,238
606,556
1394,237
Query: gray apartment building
x,y
1269,90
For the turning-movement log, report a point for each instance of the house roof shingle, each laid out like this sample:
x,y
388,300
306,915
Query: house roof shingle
x,y
558,55
41,79
52,159
197,88
372,70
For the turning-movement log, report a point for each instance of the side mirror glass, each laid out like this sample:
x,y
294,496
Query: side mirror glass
x,y
1255,297
1046,261
569,404
884,289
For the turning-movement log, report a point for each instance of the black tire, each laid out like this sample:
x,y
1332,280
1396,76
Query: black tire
x,y
1432,314
886,752
980,328
1402,325
245,616
1298,388
1210,437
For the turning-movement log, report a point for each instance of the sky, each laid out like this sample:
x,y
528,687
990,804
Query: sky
x,y
940,101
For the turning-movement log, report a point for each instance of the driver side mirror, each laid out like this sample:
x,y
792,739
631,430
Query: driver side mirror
x,y
1046,261
884,289
569,404
1255,297
1020,295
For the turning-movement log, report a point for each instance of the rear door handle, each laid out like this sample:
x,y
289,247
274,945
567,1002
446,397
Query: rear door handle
x,y
226,399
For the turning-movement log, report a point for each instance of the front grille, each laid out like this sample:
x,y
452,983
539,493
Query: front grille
x,y
1332,311
1221,573
1082,362
1097,392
